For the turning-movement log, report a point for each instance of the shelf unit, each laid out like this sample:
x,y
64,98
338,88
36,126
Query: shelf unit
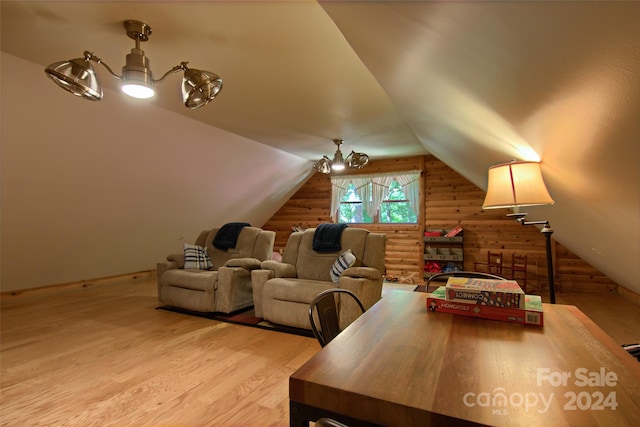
x,y
444,251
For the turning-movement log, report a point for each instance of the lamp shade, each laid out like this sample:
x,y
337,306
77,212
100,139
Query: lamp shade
x,y
357,160
76,76
516,184
323,165
199,87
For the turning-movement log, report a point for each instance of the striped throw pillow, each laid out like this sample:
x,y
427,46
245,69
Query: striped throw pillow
x,y
344,261
196,257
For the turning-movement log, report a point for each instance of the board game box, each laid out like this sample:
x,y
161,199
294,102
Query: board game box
x,y
530,315
495,293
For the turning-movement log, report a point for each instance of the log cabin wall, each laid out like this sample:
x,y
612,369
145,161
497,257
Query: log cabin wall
x,y
448,200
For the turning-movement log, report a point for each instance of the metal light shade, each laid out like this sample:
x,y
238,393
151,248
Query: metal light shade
x,y
323,165
76,76
357,160
199,87
516,184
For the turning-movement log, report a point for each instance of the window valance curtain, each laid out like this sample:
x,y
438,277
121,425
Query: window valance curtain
x,y
372,189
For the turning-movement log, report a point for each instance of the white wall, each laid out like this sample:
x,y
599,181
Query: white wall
x,y
95,189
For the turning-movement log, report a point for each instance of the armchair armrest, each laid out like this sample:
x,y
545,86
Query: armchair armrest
x,y
258,279
161,268
280,269
233,288
367,285
178,258
246,263
363,272
269,269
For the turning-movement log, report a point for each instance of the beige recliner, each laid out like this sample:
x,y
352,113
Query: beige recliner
x,y
283,291
226,286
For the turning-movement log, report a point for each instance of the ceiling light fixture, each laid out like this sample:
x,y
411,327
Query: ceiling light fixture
x,y
78,76
516,184
353,161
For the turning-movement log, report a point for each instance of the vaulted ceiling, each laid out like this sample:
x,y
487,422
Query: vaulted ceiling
x,y
474,83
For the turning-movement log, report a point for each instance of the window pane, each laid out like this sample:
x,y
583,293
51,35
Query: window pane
x,y
397,209
397,212
351,209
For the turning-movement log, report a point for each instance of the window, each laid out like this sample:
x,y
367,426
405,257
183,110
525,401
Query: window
x,y
397,208
351,209
383,198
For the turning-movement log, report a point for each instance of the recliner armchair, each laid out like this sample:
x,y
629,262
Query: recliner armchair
x,y
283,291
226,286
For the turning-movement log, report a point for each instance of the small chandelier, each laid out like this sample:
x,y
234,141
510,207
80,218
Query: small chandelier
x,y
78,76
353,161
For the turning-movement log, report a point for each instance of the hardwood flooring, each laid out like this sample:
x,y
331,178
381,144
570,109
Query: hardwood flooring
x,y
617,316
103,356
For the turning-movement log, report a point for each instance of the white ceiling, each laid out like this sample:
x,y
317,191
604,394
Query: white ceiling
x,y
474,83
290,79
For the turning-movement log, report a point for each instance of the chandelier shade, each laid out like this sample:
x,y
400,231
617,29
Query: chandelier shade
x,y
357,160
199,87
338,163
516,184
78,76
323,165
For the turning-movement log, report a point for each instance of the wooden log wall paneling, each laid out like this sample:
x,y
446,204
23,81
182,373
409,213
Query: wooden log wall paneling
x,y
448,200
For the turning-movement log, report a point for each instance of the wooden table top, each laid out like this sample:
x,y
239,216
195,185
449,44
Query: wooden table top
x,y
401,365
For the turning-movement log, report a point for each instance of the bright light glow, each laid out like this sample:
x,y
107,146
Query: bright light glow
x,y
138,91
529,154
337,166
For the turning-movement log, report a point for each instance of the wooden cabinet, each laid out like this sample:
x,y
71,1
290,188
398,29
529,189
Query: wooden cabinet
x,y
442,253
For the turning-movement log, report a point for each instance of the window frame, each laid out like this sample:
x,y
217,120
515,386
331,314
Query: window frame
x,y
341,185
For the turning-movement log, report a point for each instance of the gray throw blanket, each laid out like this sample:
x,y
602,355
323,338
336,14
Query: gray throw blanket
x,y
327,236
227,236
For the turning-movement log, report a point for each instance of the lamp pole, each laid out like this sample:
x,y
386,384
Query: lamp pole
x,y
547,231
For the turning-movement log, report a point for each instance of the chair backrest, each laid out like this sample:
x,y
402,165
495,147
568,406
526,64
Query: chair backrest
x,y
323,312
369,249
494,262
329,422
472,274
519,269
253,242
518,262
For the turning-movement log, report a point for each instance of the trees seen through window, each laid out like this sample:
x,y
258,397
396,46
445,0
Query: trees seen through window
x,y
395,208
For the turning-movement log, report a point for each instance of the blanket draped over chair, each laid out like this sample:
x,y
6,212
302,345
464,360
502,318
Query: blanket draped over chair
x,y
327,237
227,236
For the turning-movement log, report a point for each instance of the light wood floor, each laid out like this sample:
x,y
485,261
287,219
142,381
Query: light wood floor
x,y
616,315
103,356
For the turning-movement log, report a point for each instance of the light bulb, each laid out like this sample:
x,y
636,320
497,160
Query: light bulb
x,y
138,91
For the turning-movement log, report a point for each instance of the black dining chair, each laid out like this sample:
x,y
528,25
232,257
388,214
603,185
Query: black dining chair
x,y
329,422
325,309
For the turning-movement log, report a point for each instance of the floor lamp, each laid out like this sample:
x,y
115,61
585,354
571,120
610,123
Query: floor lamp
x,y
518,184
